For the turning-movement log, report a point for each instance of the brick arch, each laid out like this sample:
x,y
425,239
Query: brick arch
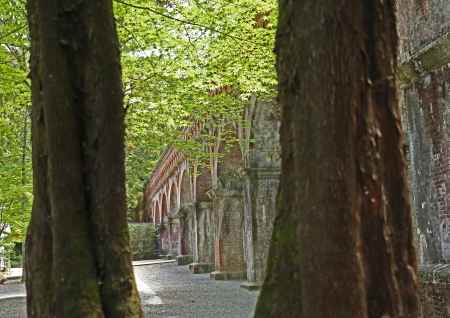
x,y
173,196
184,188
158,213
164,206
164,185
154,211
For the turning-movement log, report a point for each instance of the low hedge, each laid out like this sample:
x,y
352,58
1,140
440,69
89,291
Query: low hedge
x,y
142,241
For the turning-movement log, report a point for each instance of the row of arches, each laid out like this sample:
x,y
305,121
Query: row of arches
x,y
167,200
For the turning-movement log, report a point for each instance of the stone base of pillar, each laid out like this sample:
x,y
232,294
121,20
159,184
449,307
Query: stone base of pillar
x,y
227,275
201,268
251,286
184,260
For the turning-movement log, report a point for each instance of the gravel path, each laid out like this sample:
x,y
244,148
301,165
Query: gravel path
x,y
167,291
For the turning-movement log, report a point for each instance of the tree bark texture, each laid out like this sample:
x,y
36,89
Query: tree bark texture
x,y
342,243
78,259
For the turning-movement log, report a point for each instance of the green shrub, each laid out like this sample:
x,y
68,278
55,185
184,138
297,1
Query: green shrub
x,y
15,260
142,240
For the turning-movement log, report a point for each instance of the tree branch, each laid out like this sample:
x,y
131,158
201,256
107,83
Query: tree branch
x,y
4,36
212,29
3,209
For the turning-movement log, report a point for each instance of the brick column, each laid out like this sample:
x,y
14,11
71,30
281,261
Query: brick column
x,y
229,250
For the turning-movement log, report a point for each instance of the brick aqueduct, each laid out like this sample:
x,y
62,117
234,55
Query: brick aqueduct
x,y
220,229
226,229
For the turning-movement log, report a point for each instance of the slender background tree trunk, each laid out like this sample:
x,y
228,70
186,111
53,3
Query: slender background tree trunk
x,y
342,244
78,258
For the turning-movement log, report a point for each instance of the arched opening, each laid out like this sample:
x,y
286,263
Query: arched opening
x,y
145,214
154,211
164,232
173,207
185,189
164,208
157,217
187,217
174,219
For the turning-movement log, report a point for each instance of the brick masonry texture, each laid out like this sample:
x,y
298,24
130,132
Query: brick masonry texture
x,y
227,228
425,74
231,226
426,120
434,293
420,23
227,214
261,188
427,115
228,209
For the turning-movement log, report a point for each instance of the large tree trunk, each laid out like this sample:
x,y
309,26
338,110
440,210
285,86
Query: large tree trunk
x,y
342,244
78,258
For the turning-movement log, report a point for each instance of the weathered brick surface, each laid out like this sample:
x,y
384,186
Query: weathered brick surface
x,y
186,230
261,189
232,161
435,291
203,184
420,22
263,196
175,231
427,115
228,211
425,75
205,233
211,229
164,240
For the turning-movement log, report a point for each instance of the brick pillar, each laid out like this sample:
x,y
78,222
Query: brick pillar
x,y
203,236
260,191
249,246
229,250
195,237
169,228
181,245
259,216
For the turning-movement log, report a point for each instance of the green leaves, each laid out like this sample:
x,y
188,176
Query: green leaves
x,y
190,61
15,147
183,61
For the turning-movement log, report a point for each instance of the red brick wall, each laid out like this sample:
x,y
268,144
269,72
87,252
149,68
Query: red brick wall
x,y
203,184
428,127
435,291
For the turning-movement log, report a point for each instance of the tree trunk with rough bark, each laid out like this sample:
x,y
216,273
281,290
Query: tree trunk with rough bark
x,y
342,243
78,259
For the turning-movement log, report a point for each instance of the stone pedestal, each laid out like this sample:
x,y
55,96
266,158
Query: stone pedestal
x,y
184,260
227,275
251,286
201,268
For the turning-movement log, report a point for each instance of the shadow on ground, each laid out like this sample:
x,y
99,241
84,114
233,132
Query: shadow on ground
x,y
167,291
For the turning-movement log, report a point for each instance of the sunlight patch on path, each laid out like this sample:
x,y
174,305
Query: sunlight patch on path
x,y
152,262
147,292
13,296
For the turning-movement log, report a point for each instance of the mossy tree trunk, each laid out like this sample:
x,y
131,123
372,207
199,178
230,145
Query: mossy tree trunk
x,y
78,257
342,244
